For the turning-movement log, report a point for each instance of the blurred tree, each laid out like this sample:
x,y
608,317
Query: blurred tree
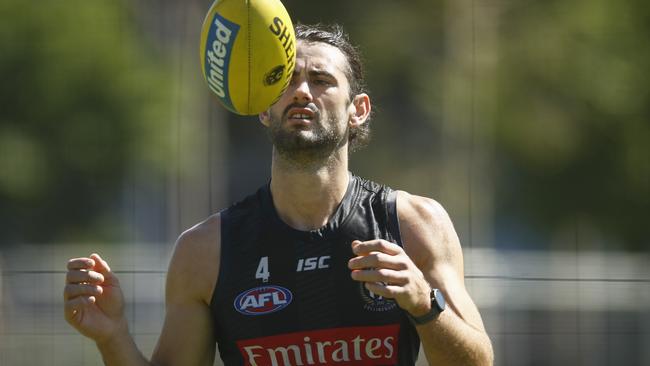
x,y
573,127
81,103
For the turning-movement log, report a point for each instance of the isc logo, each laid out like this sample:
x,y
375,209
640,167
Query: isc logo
x,y
310,264
263,300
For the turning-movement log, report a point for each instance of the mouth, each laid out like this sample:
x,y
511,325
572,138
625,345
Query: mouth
x,y
301,115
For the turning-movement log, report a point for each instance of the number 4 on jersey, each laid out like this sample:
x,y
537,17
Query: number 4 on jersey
x,y
263,270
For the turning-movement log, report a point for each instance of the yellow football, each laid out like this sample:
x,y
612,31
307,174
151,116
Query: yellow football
x,y
248,53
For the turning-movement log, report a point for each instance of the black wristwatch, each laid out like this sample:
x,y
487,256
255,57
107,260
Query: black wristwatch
x,y
437,306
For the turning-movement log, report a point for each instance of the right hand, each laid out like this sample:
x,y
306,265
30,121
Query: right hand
x,y
94,304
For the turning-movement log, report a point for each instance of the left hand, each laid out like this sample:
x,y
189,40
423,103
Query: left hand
x,y
389,272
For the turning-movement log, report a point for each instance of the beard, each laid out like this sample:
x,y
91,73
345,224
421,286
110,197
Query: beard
x,y
306,147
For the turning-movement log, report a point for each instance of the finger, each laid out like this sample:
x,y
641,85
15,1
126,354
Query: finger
x,y
72,308
78,276
379,275
378,245
101,265
76,290
80,263
388,291
377,260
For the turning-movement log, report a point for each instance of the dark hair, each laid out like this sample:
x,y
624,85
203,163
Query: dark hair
x,y
334,35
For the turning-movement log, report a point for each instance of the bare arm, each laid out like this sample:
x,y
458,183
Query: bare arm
x,y
457,336
94,304
187,337
431,258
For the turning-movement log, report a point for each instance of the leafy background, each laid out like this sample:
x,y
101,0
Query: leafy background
x,y
528,121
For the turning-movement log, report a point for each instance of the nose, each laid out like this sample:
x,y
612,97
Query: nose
x,y
302,93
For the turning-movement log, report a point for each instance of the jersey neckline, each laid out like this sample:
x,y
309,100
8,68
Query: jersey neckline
x,y
335,221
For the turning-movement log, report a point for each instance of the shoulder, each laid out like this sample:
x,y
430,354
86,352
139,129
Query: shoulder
x,y
194,266
427,232
200,235
246,212
417,208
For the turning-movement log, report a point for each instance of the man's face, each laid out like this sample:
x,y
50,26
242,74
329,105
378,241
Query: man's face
x,y
311,118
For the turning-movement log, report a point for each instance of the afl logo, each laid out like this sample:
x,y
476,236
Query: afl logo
x,y
263,300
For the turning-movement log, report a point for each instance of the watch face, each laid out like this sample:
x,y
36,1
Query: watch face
x,y
437,306
439,299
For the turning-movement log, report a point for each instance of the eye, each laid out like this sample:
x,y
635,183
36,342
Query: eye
x,y
322,81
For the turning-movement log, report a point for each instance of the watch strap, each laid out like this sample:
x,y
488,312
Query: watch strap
x,y
437,307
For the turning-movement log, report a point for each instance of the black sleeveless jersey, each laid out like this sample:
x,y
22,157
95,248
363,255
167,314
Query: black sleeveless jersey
x,y
285,297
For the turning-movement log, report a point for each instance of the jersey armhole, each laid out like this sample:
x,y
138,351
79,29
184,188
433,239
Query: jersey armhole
x,y
223,252
393,219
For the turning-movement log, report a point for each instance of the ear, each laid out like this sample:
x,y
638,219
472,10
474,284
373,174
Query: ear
x,y
359,110
265,117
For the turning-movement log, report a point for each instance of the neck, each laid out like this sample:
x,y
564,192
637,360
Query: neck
x,y
305,197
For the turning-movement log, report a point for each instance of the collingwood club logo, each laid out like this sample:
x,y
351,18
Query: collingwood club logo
x,y
374,302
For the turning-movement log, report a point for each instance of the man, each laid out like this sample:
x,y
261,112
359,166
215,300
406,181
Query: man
x,y
318,267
